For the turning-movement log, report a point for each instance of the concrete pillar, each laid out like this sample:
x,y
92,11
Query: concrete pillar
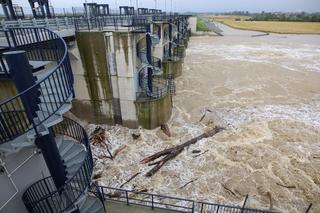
x,y
124,46
21,74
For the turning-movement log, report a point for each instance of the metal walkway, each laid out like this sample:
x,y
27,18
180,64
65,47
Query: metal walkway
x,y
114,207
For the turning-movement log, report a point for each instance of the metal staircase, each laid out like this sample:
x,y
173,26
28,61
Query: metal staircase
x,y
38,111
74,149
160,87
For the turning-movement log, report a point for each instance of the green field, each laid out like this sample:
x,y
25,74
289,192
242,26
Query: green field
x,y
201,26
241,22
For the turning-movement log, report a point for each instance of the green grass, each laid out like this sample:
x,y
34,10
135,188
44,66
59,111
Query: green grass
x,y
201,26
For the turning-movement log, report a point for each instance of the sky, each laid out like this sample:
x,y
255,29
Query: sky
x,y
201,5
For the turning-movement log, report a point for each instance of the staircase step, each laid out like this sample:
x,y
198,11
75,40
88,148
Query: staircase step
x,y
51,119
36,65
73,169
74,148
59,141
77,159
63,145
44,73
77,149
51,108
55,98
67,148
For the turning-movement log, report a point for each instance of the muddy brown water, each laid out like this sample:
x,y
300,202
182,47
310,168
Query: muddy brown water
x,y
266,92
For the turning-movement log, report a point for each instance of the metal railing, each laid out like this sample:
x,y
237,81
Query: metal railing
x,y
3,68
43,196
160,87
58,23
115,22
155,201
155,62
39,44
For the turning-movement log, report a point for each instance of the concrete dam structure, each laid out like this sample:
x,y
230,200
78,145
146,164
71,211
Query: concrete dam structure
x,y
125,74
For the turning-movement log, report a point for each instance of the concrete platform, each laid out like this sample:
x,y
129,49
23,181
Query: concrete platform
x,y
115,207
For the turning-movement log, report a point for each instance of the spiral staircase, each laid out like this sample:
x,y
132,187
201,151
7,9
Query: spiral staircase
x,y
160,86
38,111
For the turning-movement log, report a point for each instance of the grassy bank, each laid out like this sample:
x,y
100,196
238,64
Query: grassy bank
x,y
240,22
201,26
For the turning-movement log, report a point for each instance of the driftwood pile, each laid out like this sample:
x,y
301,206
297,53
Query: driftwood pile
x,y
98,138
174,151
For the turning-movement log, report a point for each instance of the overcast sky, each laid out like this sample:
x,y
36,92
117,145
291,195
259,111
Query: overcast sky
x,y
202,5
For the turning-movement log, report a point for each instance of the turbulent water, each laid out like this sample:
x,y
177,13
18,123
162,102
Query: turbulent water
x,y
266,92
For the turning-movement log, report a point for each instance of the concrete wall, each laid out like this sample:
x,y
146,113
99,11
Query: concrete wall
x,y
89,61
125,75
153,113
33,168
173,68
193,24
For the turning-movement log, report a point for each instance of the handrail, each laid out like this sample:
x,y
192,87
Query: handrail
x,y
39,44
170,203
3,67
160,87
43,196
155,62
131,22
58,23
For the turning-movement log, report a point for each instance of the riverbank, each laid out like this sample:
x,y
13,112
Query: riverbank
x,y
239,22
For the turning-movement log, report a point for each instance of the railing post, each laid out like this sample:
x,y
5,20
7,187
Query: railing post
x,y
57,23
201,207
127,197
193,206
244,203
34,22
152,204
309,207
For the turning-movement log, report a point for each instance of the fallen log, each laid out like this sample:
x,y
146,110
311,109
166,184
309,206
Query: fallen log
x,y
165,129
204,114
118,151
229,190
174,151
289,187
130,179
110,155
191,181
201,154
